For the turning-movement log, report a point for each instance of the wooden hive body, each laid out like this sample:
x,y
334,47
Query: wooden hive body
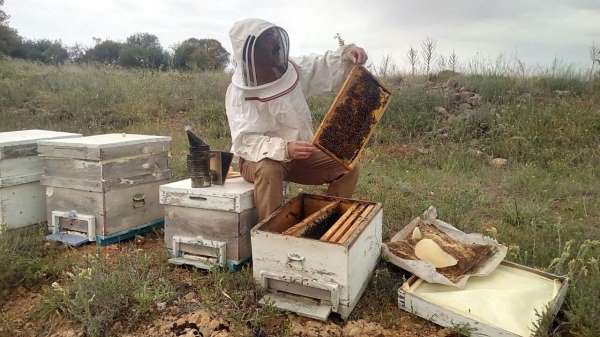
x,y
314,277
112,179
352,117
22,198
199,221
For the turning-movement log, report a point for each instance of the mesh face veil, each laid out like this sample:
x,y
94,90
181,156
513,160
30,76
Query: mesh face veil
x,y
265,59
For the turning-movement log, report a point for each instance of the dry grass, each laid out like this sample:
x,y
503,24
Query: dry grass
x,y
548,195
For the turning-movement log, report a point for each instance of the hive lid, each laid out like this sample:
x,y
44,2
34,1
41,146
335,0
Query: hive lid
x,y
236,195
107,146
512,298
24,142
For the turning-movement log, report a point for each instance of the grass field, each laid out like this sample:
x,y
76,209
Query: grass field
x,y
544,204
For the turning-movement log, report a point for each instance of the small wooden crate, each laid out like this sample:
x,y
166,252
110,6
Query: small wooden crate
x,y
352,117
450,306
22,198
314,277
207,227
104,188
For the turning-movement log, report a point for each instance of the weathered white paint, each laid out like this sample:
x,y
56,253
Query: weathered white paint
x,y
90,220
115,211
26,137
114,178
236,195
22,199
104,147
218,213
14,171
409,299
107,140
317,264
22,205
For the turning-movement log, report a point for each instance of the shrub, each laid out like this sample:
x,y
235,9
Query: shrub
x,y
100,293
203,54
22,259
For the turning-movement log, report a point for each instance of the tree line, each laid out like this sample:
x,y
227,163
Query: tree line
x,y
140,50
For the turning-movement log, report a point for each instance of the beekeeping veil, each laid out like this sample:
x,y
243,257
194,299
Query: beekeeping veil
x,y
261,51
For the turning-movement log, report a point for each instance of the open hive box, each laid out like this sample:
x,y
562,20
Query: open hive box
x,y
507,303
315,254
103,188
22,198
351,119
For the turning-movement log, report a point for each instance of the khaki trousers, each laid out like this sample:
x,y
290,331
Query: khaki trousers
x,y
268,177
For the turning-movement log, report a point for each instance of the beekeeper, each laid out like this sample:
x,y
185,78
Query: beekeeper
x,y
269,118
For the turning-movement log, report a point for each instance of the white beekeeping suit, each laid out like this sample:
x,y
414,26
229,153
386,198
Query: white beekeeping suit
x,y
263,118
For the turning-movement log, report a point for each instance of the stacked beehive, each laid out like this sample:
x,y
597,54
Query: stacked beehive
x,y
207,227
104,187
22,198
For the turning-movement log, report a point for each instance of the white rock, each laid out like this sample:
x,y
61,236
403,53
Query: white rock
x,y
499,162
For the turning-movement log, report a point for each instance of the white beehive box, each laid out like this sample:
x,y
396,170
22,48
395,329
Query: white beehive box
x,y
22,198
507,303
209,226
104,187
313,277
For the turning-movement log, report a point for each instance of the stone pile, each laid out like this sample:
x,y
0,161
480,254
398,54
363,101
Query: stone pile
x,y
459,97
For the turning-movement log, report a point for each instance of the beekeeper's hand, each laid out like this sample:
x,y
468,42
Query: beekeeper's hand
x,y
355,55
300,150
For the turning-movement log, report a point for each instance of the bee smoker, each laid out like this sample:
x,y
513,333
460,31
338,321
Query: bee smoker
x,y
198,161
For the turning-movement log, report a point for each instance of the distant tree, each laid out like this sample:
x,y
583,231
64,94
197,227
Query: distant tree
x,y
45,51
339,39
453,61
441,60
76,52
595,57
428,53
106,52
10,40
200,54
3,15
143,50
413,60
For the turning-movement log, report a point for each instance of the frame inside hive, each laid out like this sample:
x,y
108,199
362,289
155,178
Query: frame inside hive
x,y
351,119
323,218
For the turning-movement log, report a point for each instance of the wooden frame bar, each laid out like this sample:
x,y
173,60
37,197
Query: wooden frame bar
x,y
338,223
347,224
300,228
362,217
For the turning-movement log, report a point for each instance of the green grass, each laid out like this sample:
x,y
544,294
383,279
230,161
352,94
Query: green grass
x,y
547,195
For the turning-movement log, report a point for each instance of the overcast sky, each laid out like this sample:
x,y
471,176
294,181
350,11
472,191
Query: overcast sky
x,y
535,31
